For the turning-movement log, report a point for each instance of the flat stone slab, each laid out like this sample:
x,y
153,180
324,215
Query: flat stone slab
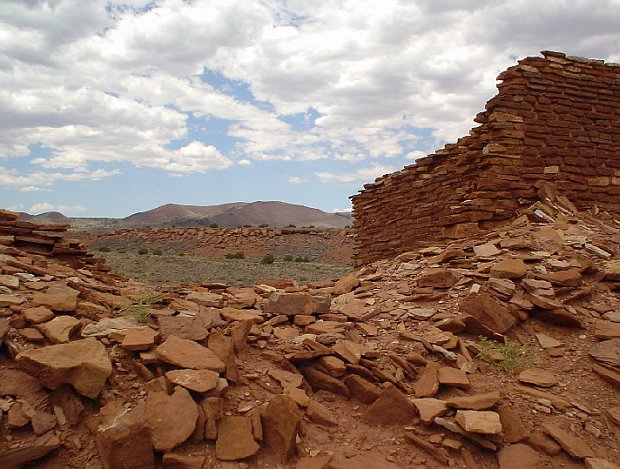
x,y
479,421
186,353
538,377
84,364
194,380
172,419
235,439
574,446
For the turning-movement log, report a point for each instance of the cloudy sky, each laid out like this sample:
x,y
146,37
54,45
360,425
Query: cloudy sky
x,y
108,108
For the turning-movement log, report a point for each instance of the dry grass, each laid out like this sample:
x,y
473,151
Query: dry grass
x,y
169,268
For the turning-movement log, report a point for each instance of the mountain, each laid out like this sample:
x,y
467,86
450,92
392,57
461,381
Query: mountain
x,y
274,214
46,218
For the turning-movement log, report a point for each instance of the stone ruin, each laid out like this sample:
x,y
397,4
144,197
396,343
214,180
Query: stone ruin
x,y
555,119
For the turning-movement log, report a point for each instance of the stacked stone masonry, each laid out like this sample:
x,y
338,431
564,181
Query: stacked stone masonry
x,y
556,118
42,243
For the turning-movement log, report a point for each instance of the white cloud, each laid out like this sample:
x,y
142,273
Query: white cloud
x,y
297,180
101,83
366,174
64,209
244,162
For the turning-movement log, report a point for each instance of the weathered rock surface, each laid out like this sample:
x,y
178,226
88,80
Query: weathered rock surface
x,y
186,353
292,304
280,421
391,407
574,446
83,363
483,421
235,439
194,380
57,298
172,419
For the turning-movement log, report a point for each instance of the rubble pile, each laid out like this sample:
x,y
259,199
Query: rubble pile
x,y
496,351
554,119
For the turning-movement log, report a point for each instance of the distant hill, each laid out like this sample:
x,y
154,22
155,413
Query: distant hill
x,y
274,214
46,218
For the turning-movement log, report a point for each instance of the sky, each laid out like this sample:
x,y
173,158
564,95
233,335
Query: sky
x,y
108,108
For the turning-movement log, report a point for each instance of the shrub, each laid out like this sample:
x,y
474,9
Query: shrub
x,y
509,356
104,249
214,225
268,259
264,225
291,226
302,259
140,307
235,255
157,252
143,251
288,258
247,226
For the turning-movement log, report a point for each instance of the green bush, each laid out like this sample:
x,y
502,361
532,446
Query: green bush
x,y
288,258
247,226
214,225
268,259
157,252
235,255
302,259
291,226
104,249
143,251
509,356
264,225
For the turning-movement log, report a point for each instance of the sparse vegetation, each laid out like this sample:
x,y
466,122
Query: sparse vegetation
x,y
140,307
264,225
104,249
267,259
143,251
509,356
302,259
214,225
157,252
291,226
288,258
235,255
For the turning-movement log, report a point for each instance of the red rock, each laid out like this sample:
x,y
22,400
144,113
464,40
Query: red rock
x,y
252,315
538,377
574,446
292,304
362,390
172,419
607,352
475,401
489,311
31,451
194,380
429,408
479,421
322,381
604,330
186,353
57,298
392,406
599,463
519,456
346,284
428,383
543,442
437,278
451,376
38,315
317,462
181,461
124,439
185,327
139,339
516,426
83,363
320,414
223,348
280,420
612,270
235,439
208,299
567,278
61,329
509,268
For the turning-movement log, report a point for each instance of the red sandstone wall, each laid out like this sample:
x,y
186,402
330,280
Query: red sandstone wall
x,y
556,118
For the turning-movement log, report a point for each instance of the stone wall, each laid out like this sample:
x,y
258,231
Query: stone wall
x,y
39,244
556,118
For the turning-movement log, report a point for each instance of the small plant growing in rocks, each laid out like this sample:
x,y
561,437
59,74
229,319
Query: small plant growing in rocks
x,y
288,258
509,356
140,307
104,249
143,251
235,255
268,259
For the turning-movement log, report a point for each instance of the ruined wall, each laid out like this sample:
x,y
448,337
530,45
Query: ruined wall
x,y
42,243
556,118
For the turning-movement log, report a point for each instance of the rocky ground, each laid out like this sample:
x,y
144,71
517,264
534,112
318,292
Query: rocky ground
x,y
383,368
